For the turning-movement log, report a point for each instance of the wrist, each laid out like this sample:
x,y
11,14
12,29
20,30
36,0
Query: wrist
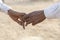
x,y
42,14
10,11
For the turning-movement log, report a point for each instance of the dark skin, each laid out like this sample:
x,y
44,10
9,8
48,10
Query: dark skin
x,y
34,17
15,16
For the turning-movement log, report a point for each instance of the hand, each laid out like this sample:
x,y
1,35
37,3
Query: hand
x,y
17,17
34,17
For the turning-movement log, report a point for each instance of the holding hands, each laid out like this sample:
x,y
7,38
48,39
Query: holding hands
x,y
33,17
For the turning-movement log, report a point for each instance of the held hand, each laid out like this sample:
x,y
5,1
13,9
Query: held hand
x,y
17,17
34,17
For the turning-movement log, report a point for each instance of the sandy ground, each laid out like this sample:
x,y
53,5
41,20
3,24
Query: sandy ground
x,y
47,30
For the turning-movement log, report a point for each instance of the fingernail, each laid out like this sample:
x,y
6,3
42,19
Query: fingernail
x,y
26,24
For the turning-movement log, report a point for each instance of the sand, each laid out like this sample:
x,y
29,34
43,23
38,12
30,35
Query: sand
x,y
47,30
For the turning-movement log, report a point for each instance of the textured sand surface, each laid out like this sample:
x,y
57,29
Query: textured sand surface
x,y
47,30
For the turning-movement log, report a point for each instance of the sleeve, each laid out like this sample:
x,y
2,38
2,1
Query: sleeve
x,y
4,7
1,1
50,11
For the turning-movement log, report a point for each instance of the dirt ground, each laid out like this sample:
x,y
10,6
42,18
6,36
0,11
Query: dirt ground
x,y
47,30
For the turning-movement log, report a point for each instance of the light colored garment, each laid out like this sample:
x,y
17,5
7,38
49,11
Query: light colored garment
x,y
0,1
4,7
53,11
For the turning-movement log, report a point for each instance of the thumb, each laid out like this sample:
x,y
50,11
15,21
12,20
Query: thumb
x,y
22,23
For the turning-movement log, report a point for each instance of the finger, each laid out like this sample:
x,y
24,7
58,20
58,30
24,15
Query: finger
x,y
23,26
37,21
25,17
18,21
28,19
28,22
21,23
